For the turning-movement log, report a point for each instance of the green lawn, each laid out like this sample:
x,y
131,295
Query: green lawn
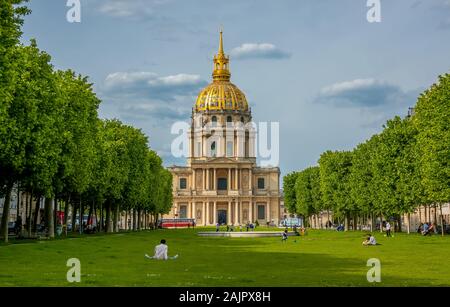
x,y
322,258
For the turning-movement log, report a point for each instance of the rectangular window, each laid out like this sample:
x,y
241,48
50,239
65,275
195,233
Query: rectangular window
x,y
183,212
183,183
261,212
229,149
261,185
222,184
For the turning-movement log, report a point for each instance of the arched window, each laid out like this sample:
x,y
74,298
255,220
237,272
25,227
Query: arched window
x,y
214,121
242,119
229,119
213,149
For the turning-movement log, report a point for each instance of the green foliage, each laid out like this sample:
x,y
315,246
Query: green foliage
x,y
405,166
290,200
307,192
53,143
432,119
335,181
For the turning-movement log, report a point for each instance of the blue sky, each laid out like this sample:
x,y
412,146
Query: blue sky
x,y
316,66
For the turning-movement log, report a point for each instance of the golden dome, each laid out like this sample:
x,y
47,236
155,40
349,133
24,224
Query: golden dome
x,y
221,94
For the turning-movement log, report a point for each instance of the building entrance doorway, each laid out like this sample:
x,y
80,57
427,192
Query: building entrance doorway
x,y
222,217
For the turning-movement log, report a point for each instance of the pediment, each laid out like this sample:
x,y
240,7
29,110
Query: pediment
x,y
220,160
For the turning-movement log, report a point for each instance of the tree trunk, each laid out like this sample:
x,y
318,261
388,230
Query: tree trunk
x,y
100,228
66,212
372,221
409,222
435,214
36,214
81,218
74,217
91,209
26,210
55,213
30,214
5,216
442,220
420,214
116,218
139,220
95,215
346,222
134,220
108,218
18,205
381,223
48,209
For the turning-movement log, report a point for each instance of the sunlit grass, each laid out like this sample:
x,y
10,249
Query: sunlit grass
x,y
322,258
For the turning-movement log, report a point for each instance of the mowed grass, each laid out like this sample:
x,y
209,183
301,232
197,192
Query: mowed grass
x,y
322,258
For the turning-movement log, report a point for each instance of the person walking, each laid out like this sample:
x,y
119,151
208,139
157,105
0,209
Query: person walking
x,y
388,229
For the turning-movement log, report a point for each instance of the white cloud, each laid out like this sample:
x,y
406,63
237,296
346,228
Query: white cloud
x,y
363,93
264,51
129,8
142,95
150,85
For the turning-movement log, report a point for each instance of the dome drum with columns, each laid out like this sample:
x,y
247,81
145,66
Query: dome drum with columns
x,y
221,182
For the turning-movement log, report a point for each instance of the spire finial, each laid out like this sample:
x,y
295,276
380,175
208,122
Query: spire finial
x,y
221,40
221,72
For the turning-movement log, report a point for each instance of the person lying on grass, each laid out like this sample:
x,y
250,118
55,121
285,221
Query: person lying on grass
x,y
161,252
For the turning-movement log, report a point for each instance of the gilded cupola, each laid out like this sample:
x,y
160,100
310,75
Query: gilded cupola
x,y
221,94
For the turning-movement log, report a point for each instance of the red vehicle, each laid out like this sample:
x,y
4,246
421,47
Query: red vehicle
x,y
176,223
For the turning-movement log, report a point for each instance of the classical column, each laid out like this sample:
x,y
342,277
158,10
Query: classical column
x,y
203,214
229,179
207,213
188,213
268,210
250,211
194,213
236,213
250,180
215,179
229,213
203,179
236,182
215,213
207,178
255,208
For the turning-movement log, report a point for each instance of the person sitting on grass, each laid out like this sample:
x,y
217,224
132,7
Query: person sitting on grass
x,y
161,252
284,236
370,241
425,229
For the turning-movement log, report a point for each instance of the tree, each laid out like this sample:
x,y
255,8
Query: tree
x,y
30,142
307,192
432,119
334,183
290,201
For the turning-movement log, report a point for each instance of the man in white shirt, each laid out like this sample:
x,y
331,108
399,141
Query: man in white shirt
x,y
388,229
161,252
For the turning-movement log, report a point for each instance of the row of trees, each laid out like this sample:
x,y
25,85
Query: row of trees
x,y
54,146
405,166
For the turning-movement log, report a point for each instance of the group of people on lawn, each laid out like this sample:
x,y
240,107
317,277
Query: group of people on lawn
x,y
426,228
248,226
